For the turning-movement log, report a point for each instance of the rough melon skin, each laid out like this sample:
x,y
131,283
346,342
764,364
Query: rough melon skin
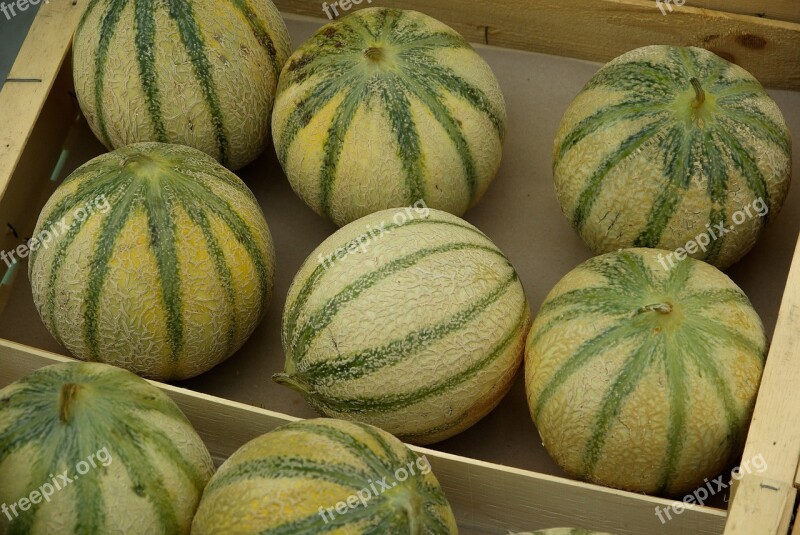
x,y
644,378
667,146
191,72
384,108
419,332
159,261
286,481
130,460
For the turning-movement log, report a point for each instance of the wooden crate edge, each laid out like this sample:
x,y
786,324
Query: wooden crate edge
x,y
37,110
484,495
774,434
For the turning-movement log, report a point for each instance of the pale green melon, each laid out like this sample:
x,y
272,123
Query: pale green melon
x,y
671,147
193,72
154,258
95,449
384,108
642,377
410,319
293,479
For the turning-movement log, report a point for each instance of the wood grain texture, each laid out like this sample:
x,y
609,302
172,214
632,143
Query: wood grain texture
x,y
486,497
599,30
774,433
761,505
36,109
788,10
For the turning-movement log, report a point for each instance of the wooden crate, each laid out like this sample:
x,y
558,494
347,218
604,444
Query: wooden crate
x,y
38,130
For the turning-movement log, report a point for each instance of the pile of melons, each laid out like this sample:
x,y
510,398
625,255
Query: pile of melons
x,y
641,367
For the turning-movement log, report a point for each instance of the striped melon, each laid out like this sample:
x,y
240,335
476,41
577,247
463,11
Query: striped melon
x,y
324,476
154,258
670,148
384,108
88,448
408,319
644,378
191,72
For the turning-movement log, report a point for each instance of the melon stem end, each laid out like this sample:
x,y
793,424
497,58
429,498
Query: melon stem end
x,y
69,392
293,382
700,95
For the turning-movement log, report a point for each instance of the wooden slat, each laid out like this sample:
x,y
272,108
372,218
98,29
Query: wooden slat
x,y
788,10
32,77
37,109
761,506
774,431
600,30
486,497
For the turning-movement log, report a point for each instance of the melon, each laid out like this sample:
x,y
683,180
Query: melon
x,y
672,148
196,73
408,319
154,258
90,448
384,108
642,377
324,476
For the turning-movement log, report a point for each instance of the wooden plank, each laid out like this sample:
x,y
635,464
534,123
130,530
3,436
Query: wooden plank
x,y
774,434
761,505
599,30
30,183
33,75
486,497
788,10
37,109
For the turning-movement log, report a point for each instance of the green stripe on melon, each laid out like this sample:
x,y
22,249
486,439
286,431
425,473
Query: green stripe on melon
x,y
285,481
420,334
666,142
201,74
383,108
150,466
644,378
168,274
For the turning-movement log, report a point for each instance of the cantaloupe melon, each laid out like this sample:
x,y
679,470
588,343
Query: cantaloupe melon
x,y
672,148
154,258
644,378
408,319
384,108
89,448
196,73
324,476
